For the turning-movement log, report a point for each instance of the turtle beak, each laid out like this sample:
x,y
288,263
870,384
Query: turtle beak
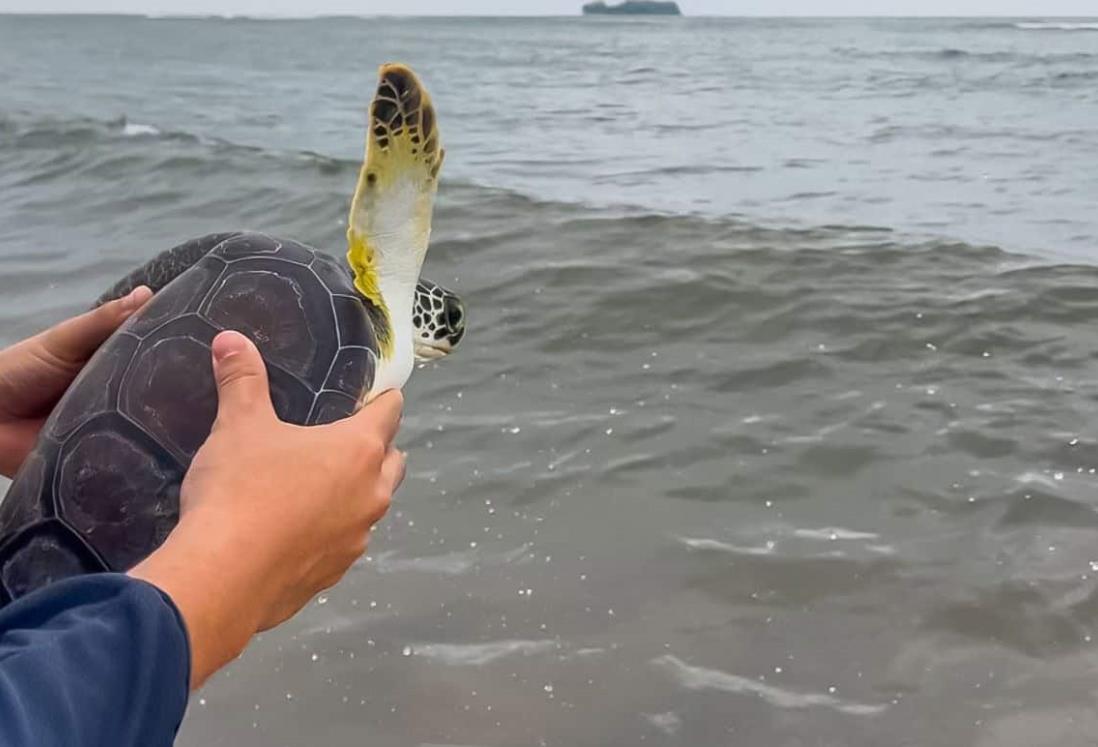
x,y
430,350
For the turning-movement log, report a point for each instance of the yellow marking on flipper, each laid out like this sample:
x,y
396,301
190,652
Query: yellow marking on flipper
x,y
390,220
360,258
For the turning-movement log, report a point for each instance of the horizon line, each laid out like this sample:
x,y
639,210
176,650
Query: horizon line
x,y
280,17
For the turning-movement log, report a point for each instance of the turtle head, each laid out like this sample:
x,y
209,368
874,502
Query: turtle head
x,y
390,222
439,321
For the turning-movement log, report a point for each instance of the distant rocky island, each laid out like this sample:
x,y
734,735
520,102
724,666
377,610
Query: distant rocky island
x,y
632,8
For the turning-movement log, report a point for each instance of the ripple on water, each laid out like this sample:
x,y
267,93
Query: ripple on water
x,y
480,654
700,678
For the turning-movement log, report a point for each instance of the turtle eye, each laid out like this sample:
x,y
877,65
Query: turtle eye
x,y
455,313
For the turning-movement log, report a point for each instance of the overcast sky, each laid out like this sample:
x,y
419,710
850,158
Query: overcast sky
x,y
556,7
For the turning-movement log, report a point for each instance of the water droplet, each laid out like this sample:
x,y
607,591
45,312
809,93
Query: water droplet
x,y
315,657
322,600
407,651
548,688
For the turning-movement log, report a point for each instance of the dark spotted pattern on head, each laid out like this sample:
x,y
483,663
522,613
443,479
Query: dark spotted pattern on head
x,y
439,320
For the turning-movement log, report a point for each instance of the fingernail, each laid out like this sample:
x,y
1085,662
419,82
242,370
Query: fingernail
x,y
136,298
227,344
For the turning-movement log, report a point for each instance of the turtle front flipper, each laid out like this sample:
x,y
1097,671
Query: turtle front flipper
x,y
166,266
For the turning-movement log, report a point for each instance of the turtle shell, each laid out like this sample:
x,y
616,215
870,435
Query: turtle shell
x,y
100,491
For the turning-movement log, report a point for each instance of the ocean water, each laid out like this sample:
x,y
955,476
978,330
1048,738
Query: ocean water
x,y
777,419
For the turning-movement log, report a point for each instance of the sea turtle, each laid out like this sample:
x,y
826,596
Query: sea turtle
x,y
100,491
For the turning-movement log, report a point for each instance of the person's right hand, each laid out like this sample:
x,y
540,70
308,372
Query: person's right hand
x,y
270,513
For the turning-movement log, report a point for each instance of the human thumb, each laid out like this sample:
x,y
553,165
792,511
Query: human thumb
x,y
241,377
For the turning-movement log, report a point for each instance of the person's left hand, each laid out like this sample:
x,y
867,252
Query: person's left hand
x,y
35,373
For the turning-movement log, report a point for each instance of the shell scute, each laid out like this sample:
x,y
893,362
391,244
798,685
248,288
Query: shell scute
x,y
118,489
245,245
40,555
285,309
332,406
182,295
170,390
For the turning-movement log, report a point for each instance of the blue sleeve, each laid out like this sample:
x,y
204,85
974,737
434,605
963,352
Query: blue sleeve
x,y
93,660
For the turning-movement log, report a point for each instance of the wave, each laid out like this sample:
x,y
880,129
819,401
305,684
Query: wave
x,y
1071,77
23,133
1056,26
893,132
48,131
948,54
174,175
135,129
158,168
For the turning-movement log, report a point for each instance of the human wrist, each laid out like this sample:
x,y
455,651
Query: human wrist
x,y
219,591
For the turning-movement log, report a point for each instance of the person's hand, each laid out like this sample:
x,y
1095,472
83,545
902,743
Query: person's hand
x,y
271,513
35,373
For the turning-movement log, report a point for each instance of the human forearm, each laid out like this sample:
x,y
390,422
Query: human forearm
x,y
217,588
